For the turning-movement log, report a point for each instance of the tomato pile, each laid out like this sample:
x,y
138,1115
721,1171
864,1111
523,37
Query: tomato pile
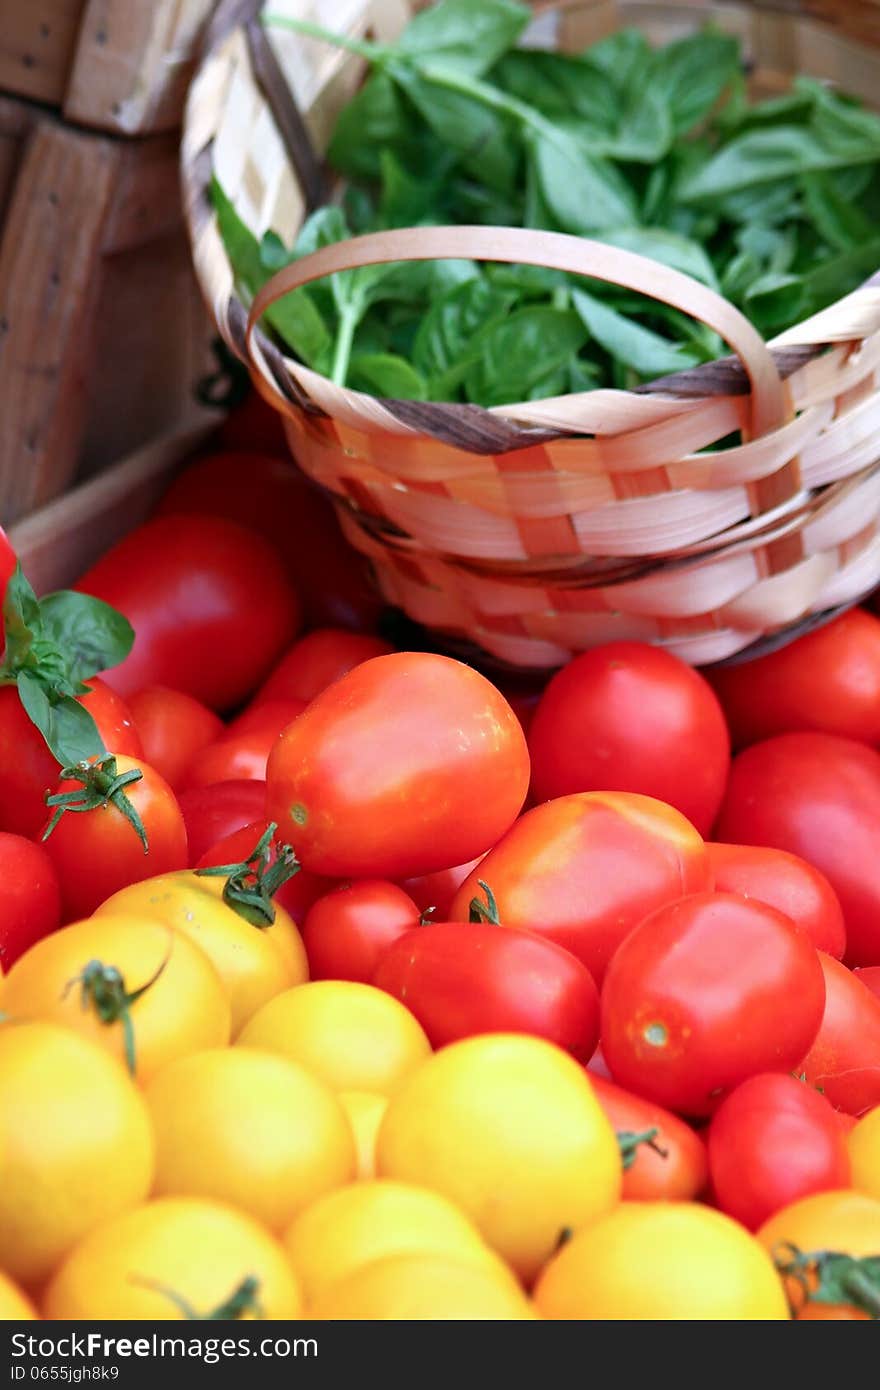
x,y
344,982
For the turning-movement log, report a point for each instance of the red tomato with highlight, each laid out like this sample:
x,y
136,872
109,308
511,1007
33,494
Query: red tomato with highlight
x,y
243,749
210,604
317,660
407,764
173,728
674,1167
28,770
629,717
349,929
818,797
789,884
30,897
216,811
295,896
827,680
438,890
772,1141
585,870
869,975
844,1059
707,992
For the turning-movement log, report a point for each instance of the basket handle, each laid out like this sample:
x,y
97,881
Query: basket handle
x,y
555,251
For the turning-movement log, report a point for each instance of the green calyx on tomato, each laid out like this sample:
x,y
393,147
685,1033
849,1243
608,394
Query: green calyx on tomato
x,y
487,911
629,1142
243,1300
251,884
101,784
102,988
824,1276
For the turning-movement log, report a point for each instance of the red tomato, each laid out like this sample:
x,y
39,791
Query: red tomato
x,y
828,680
7,565
271,496
585,869
628,717
253,425
463,978
437,890
844,1059
243,751
173,728
772,1141
271,714
28,770
348,930
407,764
674,1167
788,883
213,812
295,896
707,992
97,852
869,975
818,797
317,660
209,602
30,897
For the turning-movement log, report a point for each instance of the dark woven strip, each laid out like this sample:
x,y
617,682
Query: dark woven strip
x,y
467,427
288,118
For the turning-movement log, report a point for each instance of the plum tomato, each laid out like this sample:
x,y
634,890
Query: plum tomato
x,y
295,896
664,1159
348,930
173,728
844,1059
786,882
316,661
213,812
30,897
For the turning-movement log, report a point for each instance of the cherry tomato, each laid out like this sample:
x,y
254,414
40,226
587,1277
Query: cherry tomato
x,y
209,602
407,764
27,768
788,883
213,812
271,496
818,797
295,896
243,749
173,728
30,897
317,660
869,975
828,680
629,717
348,930
97,852
673,1166
585,869
461,978
437,890
844,1059
707,992
773,1140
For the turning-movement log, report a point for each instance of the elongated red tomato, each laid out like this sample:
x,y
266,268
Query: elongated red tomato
x,y
407,764
173,728
818,797
30,897
242,752
295,896
213,812
317,660
209,602
786,882
772,1141
673,1166
705,993
584,870
629,717
349,929
844,1059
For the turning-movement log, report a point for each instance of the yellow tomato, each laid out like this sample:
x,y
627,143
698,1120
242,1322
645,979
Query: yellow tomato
x,y
364,1110
372,1221
14,1307
184,1008
844,1221
661,1260
355,1037
254,963
864,1153
75,1141
509,1129
251,1129
423,1288
175,1258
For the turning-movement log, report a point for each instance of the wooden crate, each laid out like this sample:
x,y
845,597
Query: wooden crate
x,y
103,334
117,65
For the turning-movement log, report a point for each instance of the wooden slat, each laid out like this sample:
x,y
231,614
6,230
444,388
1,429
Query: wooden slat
x,y
37,44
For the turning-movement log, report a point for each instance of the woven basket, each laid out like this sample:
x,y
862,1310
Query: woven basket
x,y
537,530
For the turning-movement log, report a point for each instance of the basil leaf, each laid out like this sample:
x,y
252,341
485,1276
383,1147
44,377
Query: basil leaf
x,y
375,119
584,194
448,340
691,74
767,156
384,374
634,346
21,620
518,353
836,218
486,141
90,635
463,36
69,730
625,56
560,85
669,248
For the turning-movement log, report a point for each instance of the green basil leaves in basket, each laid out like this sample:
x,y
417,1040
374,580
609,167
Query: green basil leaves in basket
x,y
658,151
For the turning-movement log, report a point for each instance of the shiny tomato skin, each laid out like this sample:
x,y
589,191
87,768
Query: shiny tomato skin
x,y
680,1173
408,764
786,882
584,870
869,975
272,714
773,1140
98,852
30,897
844,1059
630,717
349,929
827,680
173,728
461,978
706,992
316,661
213,812
437,890
28,770
209,601
295,896
818,797
243,748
